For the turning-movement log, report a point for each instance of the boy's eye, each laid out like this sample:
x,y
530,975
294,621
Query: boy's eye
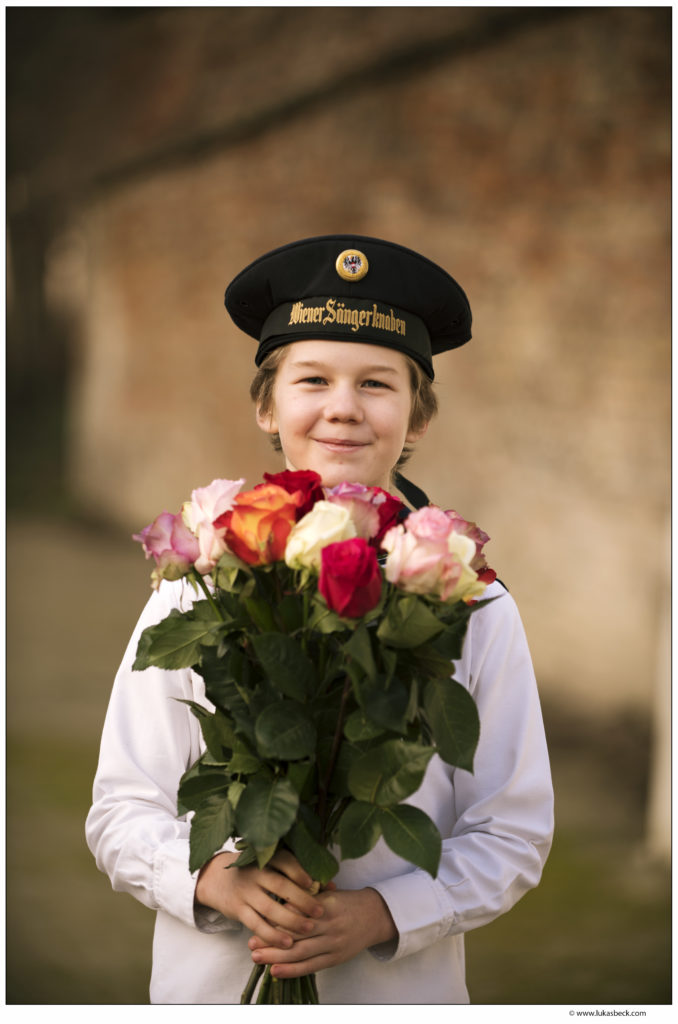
x,y
375,384
313,380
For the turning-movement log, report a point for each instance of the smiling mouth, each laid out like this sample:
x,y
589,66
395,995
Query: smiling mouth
x,y
340,445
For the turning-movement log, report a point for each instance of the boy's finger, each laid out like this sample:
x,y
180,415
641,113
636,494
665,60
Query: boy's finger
x,y
288,865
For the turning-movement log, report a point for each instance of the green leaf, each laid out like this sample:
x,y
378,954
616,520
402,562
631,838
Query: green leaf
x,y
313,857
359,727
264,854
359,649
359,829
389,660
195,790
324,620
411,834
210,828
217,730
260,612
266,811
235,791
284,730
451,641
427,662
226,679
387,708
247,856
227,570
389,772
244,760
348,756
301,774
173,643
408,623
288,668
454,722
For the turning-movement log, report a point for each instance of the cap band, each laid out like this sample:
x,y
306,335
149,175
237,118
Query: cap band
x,y
350,319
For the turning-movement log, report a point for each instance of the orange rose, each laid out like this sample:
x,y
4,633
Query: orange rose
x,y
258,525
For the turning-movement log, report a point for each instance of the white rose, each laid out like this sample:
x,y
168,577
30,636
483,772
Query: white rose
x,y
324,524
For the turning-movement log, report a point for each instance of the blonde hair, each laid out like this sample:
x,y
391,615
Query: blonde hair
x,y
423,409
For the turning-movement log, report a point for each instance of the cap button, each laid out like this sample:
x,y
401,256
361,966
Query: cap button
x,y
352,265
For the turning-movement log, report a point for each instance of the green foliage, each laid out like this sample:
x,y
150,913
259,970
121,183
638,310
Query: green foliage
x,y
412,835
285,731
175,642
389,773
454,721
321,726
266,811
359,828
409,623
284,662
210,828
318,861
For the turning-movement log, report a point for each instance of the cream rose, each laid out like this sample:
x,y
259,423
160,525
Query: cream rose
x,y
324,524
460,582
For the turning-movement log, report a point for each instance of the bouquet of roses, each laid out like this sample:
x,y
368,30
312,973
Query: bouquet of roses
x,y
324,627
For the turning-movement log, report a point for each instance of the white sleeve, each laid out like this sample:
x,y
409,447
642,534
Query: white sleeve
x,y
503,812
149,740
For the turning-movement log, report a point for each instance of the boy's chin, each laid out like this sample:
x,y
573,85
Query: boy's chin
x,y
332,476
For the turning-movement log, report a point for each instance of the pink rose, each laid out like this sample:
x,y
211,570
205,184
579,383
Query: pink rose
x,y
372,510
413,564
427,555
171,544
206,505
430,523
350,578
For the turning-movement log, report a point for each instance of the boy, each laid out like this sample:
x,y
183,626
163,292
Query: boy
x,y
347,327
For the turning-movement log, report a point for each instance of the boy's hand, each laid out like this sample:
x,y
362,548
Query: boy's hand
x,y
352,921
273,902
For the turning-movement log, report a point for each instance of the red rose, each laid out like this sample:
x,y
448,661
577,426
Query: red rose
x,y
299,480
258,525
350,578
390,511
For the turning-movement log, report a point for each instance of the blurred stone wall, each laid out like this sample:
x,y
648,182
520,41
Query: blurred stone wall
x,y
524,149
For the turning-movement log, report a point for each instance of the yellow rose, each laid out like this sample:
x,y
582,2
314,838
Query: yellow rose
x,y
325,524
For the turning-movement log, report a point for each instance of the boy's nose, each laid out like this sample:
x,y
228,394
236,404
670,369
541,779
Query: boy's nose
x,y
343,404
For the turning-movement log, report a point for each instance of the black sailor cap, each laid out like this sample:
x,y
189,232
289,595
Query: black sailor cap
x,y
350,288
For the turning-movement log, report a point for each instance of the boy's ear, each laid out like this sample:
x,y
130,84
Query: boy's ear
x,y
266,421
416,435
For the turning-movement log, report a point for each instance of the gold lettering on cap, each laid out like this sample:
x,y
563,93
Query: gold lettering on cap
x,y
337,311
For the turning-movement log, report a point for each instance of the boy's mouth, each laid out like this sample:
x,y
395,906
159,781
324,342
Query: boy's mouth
x,y
339,444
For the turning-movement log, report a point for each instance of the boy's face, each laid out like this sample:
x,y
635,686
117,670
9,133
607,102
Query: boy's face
x,y
342,409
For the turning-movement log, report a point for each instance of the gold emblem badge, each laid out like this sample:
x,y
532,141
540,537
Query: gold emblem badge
x,y
352,264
